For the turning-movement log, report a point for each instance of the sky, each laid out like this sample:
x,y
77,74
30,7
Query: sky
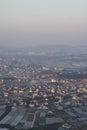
x,y
33,22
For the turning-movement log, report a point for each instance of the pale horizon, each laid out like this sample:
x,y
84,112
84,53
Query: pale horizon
x,y
36,22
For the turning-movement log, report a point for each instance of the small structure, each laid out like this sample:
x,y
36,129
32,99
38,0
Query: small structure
x,y
42,120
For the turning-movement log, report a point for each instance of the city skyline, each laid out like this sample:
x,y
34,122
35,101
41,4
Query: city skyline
x,y
36,22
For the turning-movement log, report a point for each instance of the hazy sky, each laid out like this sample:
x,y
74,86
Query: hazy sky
x,y
32,22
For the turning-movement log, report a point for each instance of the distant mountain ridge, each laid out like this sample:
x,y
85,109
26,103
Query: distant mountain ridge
x,y
63,49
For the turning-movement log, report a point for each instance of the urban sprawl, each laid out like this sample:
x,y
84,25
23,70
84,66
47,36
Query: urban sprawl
x,y
34,96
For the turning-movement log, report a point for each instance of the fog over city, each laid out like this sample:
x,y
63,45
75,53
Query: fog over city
x,y
43,64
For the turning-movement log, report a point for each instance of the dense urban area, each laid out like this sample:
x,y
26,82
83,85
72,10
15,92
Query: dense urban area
x,y
39,97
